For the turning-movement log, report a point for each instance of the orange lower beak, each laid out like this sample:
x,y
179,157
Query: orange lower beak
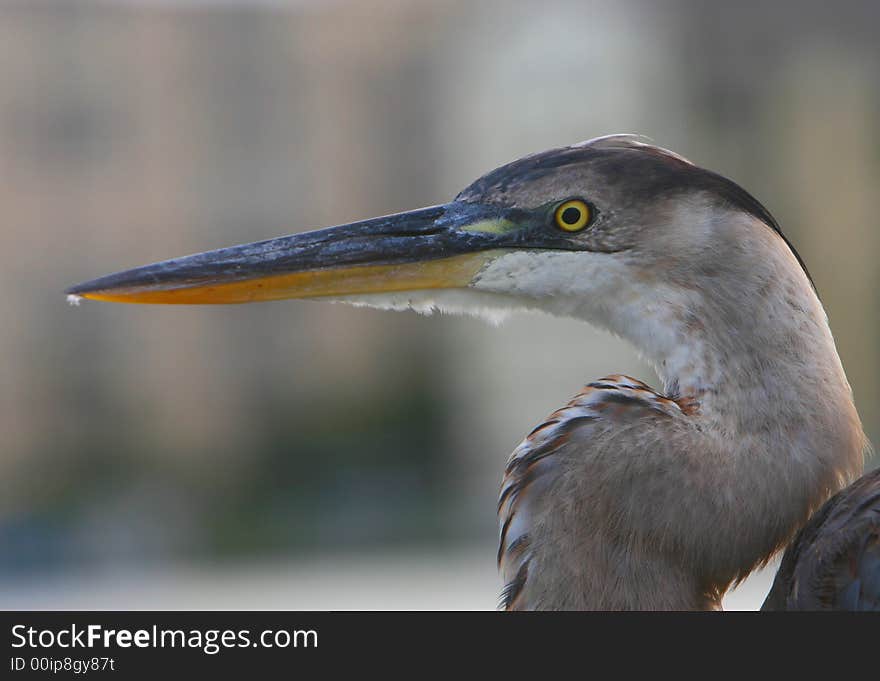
x,y
454,272
432,248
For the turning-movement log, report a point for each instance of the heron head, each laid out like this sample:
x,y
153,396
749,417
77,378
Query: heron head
x,y
612,224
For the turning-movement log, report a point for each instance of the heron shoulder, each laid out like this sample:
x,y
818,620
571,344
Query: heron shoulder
x,y
834,561
536,465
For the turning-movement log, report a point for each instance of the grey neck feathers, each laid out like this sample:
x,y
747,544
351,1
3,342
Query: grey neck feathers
x,y
776,429
678,510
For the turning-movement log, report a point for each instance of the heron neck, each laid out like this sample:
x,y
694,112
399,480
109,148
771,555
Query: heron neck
x,y
747,339
771,430
755,362
773,434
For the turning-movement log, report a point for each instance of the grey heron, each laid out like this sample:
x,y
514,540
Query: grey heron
x,y
628,497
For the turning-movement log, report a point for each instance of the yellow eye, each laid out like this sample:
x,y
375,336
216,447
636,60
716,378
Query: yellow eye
x,y
572,216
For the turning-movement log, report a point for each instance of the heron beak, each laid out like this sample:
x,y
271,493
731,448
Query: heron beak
x,y
431,248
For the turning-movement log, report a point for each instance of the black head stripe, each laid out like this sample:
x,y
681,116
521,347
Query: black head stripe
x,y
652,171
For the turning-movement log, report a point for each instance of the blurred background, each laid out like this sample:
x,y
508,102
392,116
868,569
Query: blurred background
x,y
300,455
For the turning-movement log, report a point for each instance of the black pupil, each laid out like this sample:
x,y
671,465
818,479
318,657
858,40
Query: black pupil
x,y
571,215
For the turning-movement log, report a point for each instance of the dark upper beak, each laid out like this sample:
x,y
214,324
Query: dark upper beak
x,y
438,247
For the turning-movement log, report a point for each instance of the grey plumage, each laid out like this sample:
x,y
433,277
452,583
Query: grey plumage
x,y
643,499
834,561
628,497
